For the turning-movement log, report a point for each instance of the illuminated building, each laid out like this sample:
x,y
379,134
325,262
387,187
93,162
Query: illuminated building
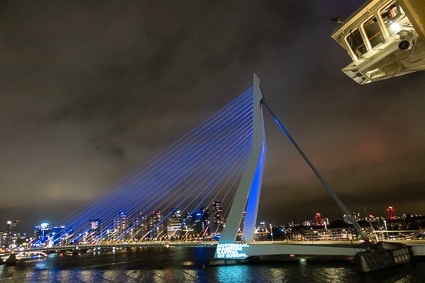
x,y
391,212
138,227
175,222
95,230
197,223
356,215
201,223
47,234
318,219
217,220
13,227
10,237
155,228
120,225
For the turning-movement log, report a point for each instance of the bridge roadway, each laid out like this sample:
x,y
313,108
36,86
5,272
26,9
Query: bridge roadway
x,y
312,248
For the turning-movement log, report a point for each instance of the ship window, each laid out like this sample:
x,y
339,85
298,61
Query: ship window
x,y
373,32
393,18
356,43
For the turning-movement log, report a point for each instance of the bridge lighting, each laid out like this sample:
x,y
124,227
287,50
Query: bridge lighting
x,y
212,154
271,231
231,251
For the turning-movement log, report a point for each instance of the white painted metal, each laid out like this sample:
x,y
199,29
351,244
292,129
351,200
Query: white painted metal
x,y
384,38
249,187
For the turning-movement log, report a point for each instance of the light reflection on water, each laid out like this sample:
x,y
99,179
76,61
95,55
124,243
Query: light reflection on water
x,y
277,272
178,264
235,273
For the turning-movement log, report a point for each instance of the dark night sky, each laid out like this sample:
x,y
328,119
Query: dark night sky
x,y
90,90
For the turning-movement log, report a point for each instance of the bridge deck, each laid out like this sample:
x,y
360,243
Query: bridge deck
x,y
258,248
243,251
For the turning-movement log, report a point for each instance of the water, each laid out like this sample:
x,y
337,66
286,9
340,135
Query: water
x,y
183,264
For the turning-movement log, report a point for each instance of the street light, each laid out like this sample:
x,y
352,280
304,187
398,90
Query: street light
x,y
271,231
386,229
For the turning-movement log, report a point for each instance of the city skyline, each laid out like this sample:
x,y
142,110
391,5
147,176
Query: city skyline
x,y
214,216
91,91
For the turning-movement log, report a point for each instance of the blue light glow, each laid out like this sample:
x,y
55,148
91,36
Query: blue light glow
x,y
200,167
231,251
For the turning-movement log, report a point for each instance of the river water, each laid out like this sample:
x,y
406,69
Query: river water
x,y
183,264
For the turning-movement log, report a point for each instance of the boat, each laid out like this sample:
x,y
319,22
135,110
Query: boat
x,y
8,259
30,255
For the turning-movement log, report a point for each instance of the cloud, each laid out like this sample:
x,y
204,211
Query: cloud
x,y
92,90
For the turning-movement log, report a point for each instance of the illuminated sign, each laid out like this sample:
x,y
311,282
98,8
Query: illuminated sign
x,y
233,251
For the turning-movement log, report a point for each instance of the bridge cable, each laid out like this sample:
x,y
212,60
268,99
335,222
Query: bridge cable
x,y
316,172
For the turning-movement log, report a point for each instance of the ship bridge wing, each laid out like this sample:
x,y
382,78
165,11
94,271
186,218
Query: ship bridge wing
x,y
385,39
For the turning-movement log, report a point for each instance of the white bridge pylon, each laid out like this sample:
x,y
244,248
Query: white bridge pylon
x,y
246,200
248,193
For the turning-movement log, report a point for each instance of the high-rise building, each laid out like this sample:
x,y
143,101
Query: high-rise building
x,y
138,228
201,222
155,226
46,234
95,230
120,223
218,220
356,215
13,227
175,222
11,235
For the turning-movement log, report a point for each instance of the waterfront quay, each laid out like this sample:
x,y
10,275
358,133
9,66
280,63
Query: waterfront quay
x,y
347,248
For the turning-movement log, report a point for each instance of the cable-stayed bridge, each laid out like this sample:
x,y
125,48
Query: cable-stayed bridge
x,y
203,166
219,162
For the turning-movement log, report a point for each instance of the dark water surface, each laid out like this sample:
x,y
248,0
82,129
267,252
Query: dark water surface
x,y
183,264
